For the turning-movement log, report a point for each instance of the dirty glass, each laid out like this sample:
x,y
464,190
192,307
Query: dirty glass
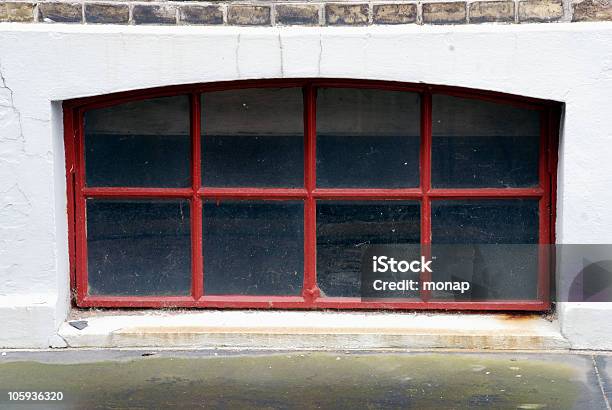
x,y
479,144
253,247
367,138
347,230
138,247
253,137
139,144
491,243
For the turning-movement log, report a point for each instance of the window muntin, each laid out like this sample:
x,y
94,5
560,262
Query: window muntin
x,y
313,197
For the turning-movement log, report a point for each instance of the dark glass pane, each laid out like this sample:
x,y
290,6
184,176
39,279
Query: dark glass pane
x,y
490,221
253,247
367,138
138,247
482,144
490,243
253,137
347,230
139,144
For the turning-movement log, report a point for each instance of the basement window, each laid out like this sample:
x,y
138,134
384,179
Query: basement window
x,y
265,194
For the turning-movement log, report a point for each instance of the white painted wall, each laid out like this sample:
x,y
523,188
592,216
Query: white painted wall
x,y
43,64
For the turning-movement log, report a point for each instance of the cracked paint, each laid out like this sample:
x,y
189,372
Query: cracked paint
x,y
320,54
14,209
15,206
238,56
280,47
8,101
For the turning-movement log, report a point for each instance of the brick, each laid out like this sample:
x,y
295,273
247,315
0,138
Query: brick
x,y
60,12
17,12
492,11
107,13
444,13
394,13
297,14
592,10
201,14
346,14
243,15
153,14
540,11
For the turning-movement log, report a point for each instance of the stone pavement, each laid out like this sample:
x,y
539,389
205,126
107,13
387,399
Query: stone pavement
x,y
137,379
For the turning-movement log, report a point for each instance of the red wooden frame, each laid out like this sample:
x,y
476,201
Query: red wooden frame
x,y
310,298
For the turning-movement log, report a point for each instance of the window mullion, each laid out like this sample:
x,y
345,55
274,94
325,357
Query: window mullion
x,y
425,175
310,291
197,272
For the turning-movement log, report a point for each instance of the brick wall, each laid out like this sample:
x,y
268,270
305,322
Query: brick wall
x,y
267,13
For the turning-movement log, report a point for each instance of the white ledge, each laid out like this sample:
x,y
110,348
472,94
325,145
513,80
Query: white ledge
x,y
312,330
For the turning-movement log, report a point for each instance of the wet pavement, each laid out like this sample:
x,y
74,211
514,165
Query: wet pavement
x,y
128,379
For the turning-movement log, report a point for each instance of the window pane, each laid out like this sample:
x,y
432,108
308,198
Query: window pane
x,y
483,144
138,247
253,247
139,144
346,230
494,247
367,138
253,137
490,221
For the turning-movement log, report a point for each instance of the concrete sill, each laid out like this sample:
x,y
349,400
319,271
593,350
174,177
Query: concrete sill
x,y
328,330
311,330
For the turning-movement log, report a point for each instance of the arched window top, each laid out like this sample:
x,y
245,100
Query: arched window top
x,y
272,193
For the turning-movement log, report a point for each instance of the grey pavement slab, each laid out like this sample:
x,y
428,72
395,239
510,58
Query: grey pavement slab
x,y
604,368
132,379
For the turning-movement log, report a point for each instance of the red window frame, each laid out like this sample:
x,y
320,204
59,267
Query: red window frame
x,y
310,299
